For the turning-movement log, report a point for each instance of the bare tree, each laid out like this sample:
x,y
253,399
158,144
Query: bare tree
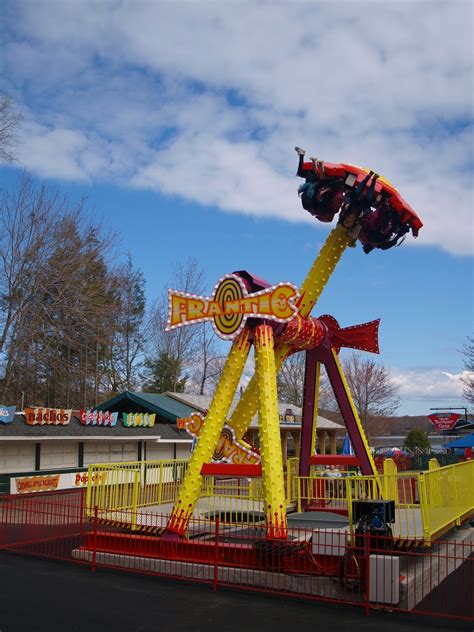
x,y
181,345
291,383
209,359
60,299
9,124
374,393
468,374
291,379
27,219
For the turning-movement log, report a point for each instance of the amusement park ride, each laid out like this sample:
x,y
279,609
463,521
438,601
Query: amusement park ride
x,y
276,321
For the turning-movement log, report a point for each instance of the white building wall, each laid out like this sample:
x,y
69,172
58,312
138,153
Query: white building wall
x,y
58,455
110,451
183,450
17,456
158,451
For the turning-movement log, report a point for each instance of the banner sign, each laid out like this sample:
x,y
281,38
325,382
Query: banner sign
x,y
47,416
229,449
7,413
230,305
54,482
444,421
30,484
138,420
98,418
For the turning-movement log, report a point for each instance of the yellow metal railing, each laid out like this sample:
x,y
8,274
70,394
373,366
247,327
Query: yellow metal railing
x,y
233,500
334,494
121,491
427,503
133,485
448,496
292,468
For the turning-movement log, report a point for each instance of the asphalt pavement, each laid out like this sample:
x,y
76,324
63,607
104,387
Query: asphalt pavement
x,y
40,595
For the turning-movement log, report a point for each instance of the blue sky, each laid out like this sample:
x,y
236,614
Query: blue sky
x,y
178,122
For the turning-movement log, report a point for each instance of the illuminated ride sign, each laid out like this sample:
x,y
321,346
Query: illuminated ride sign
x,y
230,305
444,421
228,449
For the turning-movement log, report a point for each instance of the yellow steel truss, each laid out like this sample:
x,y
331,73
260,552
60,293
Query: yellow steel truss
x,y
310,291
210,433
270,440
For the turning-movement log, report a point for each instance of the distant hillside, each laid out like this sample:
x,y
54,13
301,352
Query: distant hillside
x,y
402,425
393,425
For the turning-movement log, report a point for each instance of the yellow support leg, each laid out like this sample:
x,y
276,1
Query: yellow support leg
x,y
210,433
310,291
270,440
317,380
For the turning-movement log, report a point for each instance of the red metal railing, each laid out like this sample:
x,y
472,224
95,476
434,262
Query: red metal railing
x,y
323,564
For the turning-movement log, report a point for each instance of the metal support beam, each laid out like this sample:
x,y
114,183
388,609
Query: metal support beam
x,y
310,291
210,433
272,464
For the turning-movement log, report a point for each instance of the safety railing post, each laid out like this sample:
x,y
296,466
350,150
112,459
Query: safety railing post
x,y
348,483
160,484
252,492
4,514
94,539
288,481
456,496
136,487
425,513
216,555
367,571
81,512
298,482
89,490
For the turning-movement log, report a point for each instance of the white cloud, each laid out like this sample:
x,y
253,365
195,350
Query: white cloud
x,y
433,386
130,92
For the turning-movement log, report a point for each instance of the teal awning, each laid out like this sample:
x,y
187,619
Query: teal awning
x,y
133,402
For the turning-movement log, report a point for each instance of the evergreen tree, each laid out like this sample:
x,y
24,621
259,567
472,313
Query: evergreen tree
x,y
417,439
126,338
161,375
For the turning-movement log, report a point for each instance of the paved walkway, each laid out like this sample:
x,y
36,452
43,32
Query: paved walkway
x,y
41,595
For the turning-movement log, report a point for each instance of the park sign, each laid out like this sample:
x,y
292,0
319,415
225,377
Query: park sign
x,y
444,421
98,418
47,416
6,414
230,305
138,420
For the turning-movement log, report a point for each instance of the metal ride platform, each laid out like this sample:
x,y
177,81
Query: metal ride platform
x,y
408,525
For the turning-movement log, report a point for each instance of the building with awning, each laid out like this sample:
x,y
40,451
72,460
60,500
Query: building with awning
x,y
166,407
290,417
28,449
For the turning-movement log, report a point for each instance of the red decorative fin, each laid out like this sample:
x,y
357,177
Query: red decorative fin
x,y
364,337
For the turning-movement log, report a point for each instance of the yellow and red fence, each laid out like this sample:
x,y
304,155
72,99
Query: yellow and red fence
x,y
427,503
315,564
